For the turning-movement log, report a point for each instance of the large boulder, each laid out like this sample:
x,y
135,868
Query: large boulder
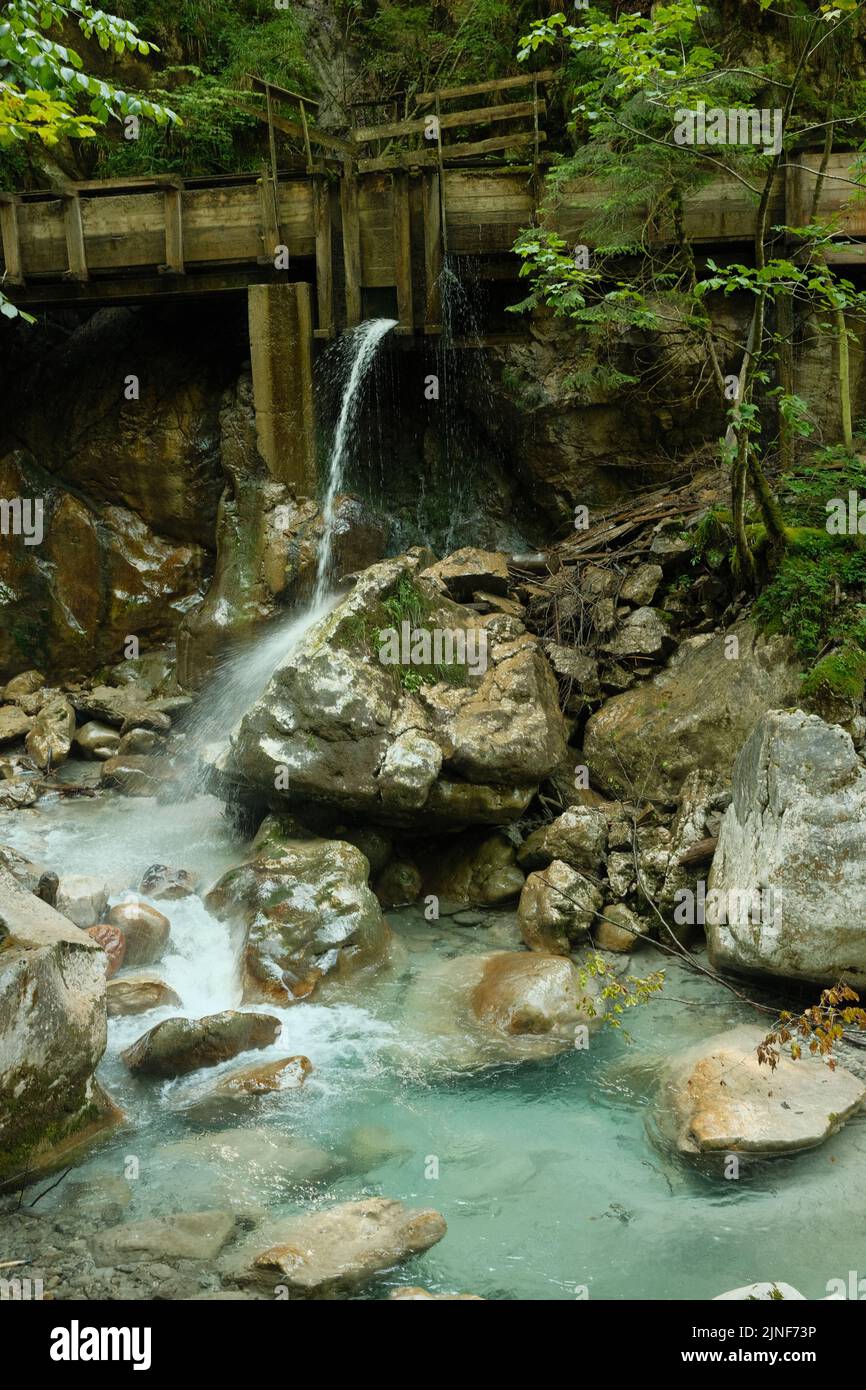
x,y
52,1035
796,826
503,1006
187,1235
694,714
180,1045
440,745
323,1253
718,1099
50,737
307,913
557,908
578,837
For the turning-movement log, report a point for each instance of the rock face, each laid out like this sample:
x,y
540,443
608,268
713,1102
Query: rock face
x,y
717,1099
557,908
796,824
694,714
180,1045
336,1250
503,1006
307,912
99,574
52,1034
340,728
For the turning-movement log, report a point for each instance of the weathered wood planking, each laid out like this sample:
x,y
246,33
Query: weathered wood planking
x,y
485,211
722,210
221,226
376,219
842,200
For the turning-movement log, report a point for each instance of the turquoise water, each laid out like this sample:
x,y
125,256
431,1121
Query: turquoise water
x,y
544,1172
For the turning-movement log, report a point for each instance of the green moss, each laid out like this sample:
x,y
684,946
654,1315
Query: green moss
x,y
408,604
839,675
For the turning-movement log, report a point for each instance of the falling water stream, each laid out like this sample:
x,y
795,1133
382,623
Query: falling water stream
x,y
544,1172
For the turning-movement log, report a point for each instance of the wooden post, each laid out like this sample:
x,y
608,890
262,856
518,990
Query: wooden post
x,y
270,232
280,323
433,256
324,277
306,135
173,207
11,241
351,248
441,173
76,257
403,252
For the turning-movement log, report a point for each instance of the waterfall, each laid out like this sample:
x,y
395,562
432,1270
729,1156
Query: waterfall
x,y
358,347
244,673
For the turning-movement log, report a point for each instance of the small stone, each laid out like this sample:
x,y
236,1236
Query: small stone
x,y
14,724
162,881
196,1235
640,585
95,740
26,684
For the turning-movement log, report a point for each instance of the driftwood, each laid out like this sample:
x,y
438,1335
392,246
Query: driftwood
x,y
699,853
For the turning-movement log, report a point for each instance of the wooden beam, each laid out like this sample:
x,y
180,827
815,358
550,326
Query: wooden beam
x,y
403,252
14,270
433,256
260,85
425,159
351,249
173,203
76,256
324,277
498,84
318,137
480,115
134,184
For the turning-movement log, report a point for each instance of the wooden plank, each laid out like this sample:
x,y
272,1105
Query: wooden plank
x,y
403,252
76,256
174,231
376,232
351,249
324,277
479,115
433,254
318,137
498,84
127,185
13,265
427,159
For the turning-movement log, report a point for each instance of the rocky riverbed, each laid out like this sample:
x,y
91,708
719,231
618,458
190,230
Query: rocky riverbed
x,y
350,1035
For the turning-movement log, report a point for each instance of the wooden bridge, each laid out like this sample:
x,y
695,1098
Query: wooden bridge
x,y
367,218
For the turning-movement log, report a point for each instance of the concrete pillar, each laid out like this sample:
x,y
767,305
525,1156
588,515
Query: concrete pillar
x,y
281,337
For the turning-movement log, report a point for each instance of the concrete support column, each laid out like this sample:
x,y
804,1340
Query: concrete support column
x,y
281,337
